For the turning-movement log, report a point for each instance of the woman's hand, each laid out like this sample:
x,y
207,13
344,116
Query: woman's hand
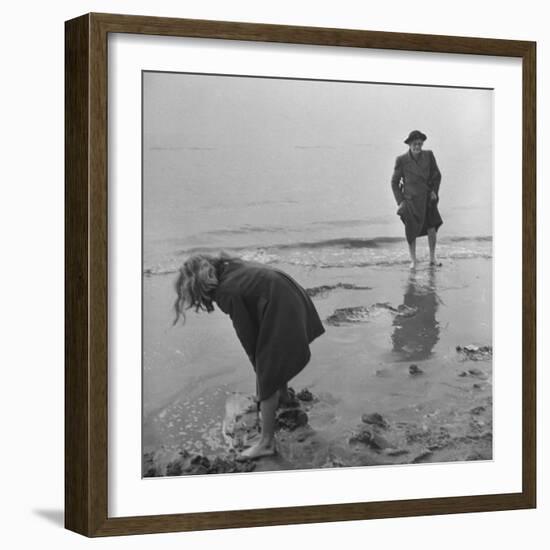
x,y
433,196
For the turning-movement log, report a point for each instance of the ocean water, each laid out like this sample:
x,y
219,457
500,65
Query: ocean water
x,y
301,169
313,223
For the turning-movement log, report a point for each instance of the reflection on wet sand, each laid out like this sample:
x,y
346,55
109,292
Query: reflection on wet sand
x,y
415,337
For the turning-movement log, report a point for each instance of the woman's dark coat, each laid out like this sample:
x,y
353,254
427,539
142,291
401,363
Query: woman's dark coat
x,y
412,182
274,318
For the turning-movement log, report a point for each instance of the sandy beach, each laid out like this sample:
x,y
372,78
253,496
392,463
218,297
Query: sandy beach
x,y
390,379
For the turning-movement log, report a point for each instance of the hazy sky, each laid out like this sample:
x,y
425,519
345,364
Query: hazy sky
x,y
205,109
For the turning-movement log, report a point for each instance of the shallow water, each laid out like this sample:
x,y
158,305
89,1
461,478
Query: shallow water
x,y
361,366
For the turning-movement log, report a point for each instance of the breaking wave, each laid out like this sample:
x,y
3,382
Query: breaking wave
x,y
333,253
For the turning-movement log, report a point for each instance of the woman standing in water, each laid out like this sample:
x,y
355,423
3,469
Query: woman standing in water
x,y
415,185
274,318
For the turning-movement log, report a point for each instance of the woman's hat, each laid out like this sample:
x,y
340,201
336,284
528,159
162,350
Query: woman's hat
x,y
416,134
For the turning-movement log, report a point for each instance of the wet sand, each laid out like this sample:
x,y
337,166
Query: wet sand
x,y
390,350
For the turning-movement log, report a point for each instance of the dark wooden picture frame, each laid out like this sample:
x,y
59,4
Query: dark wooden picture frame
x,y
86,285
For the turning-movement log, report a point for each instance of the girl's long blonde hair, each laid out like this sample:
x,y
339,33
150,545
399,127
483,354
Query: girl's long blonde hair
x,y
197,279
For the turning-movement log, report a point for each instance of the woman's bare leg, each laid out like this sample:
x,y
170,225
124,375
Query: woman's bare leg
x,y
432,239
412,252
266,445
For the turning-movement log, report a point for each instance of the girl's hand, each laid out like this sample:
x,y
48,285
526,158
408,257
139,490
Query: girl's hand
x,y
433,196
401,208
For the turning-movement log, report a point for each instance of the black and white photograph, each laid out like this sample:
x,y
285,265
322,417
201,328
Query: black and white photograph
x,y
317,274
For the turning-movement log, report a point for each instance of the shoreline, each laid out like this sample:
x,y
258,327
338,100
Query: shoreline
x,y
395,319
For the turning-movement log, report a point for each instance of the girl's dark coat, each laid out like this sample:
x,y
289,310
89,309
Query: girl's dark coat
x,y
274,318
412,182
